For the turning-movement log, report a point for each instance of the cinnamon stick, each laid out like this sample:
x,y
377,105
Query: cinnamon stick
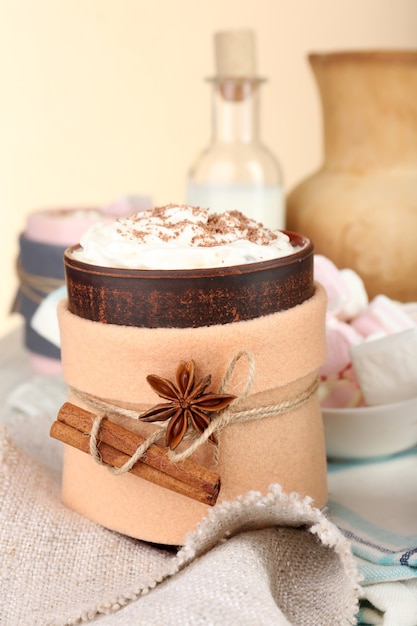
x,y
117,445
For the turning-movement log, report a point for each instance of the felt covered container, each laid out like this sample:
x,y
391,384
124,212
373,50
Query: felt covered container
x,y
274,431
47,234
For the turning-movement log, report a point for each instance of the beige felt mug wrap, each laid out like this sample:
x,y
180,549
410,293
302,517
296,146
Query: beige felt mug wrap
x,y
112,362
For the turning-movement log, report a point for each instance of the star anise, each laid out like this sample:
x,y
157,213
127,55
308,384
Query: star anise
x,y
187,403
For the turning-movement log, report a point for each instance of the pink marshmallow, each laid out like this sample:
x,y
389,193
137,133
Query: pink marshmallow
x,y
326,273
339,337
350,375
345,289
340,393
383,316
358,297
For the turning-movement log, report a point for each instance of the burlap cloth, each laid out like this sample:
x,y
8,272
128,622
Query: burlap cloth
x,y
261,560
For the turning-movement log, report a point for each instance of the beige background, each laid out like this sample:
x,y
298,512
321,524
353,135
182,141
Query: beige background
x,y
101,98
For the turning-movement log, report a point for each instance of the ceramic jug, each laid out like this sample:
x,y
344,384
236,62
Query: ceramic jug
x,y
360,207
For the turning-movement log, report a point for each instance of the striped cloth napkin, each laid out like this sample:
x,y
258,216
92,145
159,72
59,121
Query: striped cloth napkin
x,y
374,503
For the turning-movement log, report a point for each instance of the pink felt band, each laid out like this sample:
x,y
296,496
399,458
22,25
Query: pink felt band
x,y
113,361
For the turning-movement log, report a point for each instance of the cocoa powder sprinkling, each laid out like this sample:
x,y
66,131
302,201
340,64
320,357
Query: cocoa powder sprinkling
x,y
209,229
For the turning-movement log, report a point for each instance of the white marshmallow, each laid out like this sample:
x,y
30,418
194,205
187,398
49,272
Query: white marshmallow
x,y
387,368
45,319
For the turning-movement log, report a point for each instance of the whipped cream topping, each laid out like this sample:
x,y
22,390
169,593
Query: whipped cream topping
x,y
181,237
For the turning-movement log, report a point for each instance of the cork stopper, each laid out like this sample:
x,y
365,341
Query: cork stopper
x,y
235,54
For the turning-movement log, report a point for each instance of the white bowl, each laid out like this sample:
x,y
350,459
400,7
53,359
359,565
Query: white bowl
x,y
371,431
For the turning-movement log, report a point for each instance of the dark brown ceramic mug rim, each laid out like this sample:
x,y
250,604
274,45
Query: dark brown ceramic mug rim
x,y
187,297
296,240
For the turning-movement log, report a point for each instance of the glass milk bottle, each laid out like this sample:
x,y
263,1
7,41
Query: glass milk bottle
x,y
236,171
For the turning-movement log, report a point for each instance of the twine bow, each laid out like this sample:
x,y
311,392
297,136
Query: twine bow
x,y
222,419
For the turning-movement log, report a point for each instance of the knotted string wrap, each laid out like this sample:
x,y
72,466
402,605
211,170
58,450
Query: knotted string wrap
x,y
34,286
223,418
40,270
